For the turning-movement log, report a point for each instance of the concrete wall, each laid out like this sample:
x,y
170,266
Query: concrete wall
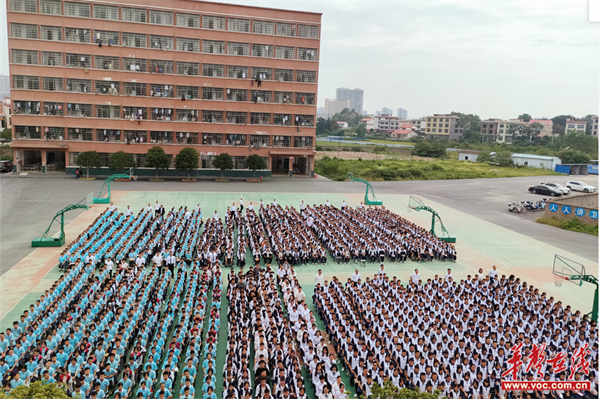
x,y
467,157
589,202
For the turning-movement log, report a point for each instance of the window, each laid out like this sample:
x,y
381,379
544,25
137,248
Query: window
x,y
285,29
52,58
81,10
267,73
283,97
261,96
282,141
28,132
237,95
188,20
135,112
133,40
238,48
285,52
53,84
580,126
77,35
24,31
135,64
303,142
305,98
207,161
78,60
187,68
162,114
305,120
213,47
239,162
310,31
260,118
185,44
161,42
571,126
79,134
161,90
187,138
187,115
161,17
238,118
262,50
263,27
106,62
284,75
133,14
107,87
22,5
79,110
107,37
237,72
51,33
212,116
26,107
54,133
258,141
29,57
308,54
238,25
210,22
135,136
160,66
188,92
79,85
235,139
212,93
212,139
106,12
306,76
214,70
50,7
135,89
282,119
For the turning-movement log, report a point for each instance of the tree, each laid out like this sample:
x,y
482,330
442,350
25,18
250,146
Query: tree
x,y
525,132
470,123
360,130
429,148
223,162
157,158
322,126
503,158
390,391
255,162
187,159
121,161
89,159
573,156
484,157
352,117
470,137
38,390
6,135
6,157
525,117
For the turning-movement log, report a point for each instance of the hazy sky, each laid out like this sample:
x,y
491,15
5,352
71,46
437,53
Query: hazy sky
x,y
491,58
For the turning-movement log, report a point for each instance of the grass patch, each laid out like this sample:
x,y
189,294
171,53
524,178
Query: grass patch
x,y
572,224
395,169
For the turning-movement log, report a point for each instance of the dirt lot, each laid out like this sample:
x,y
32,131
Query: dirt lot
x,y
365,155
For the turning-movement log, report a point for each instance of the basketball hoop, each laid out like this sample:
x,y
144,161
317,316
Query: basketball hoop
x,y
558,280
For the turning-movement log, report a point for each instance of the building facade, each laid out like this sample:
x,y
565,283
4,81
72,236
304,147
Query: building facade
x,y
387,111
106,76
333,107
402,113
575,125
594,130
354,95
382,123
547,126
443,126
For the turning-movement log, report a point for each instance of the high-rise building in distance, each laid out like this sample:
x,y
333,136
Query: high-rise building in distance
x,y
354,95
333,107
387,111
402,113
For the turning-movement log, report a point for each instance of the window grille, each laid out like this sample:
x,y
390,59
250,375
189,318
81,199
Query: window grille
x,y
22,5
161,90
187,138
161,42
310,31
54,109
133,14
211,116
106,12
262,50
187,68
286,29
213,47
108,87
108,135
134,89
261,96
284,75
206,161
282,119
78,60
210,22
306,76
54,133
26,82
162,114
235,139
106,62
188,20
51,33
187,115
264,73
237,95
135,136
238,25
79,134
161,66
282,141
135,64
263,27
135,112
239,162
79,85
238,118
187,92
106,37
50,7
81,10
26,107
214,70
24,31
237,72
29,57
260,118
284,52
305,98
79,110
53,84
259,141
28,132
212,139
212,93
238,48
305,120
133,40
283,97
191,45
161,17
78,35
161,137
52,59
307,54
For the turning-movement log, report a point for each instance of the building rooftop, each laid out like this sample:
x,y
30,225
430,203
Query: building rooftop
x,y
533,156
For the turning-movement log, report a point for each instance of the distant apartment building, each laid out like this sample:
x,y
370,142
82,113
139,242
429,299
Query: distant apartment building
x,y
421,123
402,113
547,126
382,123
6,115
443,126
594,129
333,107
4,86
502,131
354,95
489,129
575,125
386,111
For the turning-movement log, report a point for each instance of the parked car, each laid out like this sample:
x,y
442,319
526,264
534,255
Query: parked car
x,y
580,186
545,190
6,166
562,188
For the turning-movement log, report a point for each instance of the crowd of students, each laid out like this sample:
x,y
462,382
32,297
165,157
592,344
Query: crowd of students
x,y
455,336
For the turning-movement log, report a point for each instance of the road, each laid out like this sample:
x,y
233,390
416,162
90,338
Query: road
x,y
27,204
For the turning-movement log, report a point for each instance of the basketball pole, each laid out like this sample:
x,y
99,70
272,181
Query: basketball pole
x,y
588,278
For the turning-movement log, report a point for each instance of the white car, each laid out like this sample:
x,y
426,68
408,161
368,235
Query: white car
x,y
580,186
560,187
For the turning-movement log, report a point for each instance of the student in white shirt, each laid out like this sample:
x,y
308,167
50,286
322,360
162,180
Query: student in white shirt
x,y
344,205
415,277
327,203
216,215
139,261
128,211
149,208
493,273
261,204
112,207
448,276
156,208
319,278
109,265
250,206
241,205
356,276
274,202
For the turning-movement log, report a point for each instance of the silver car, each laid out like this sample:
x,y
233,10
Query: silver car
x,y
580,186
560,187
